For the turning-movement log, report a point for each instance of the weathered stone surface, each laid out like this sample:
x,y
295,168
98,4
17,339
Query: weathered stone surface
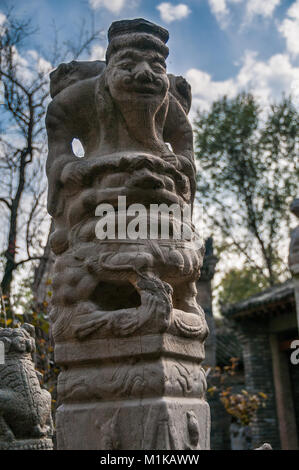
x,y
164,424
128,330
204,298
25,408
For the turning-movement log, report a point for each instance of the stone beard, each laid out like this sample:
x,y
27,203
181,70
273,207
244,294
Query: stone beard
x,y
124,315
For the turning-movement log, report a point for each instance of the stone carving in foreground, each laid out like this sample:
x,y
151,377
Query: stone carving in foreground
x,y
128,331
25,408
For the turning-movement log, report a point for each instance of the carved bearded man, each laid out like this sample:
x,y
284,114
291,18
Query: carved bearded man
x,y
131,118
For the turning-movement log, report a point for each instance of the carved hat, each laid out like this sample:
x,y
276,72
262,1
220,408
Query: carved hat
x,y
138,33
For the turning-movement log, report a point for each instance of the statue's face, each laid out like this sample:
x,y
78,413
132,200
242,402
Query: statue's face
x,y
142,73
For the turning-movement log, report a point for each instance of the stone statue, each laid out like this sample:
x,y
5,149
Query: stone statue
x,y
125,320
204,298
25,408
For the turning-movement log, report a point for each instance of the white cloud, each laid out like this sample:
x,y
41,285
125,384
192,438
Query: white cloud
x,y
2,18
44,66
2,21
266,80
29,64
23,69
115,6
38,62
33,53
218,7
261,7
207,90
289,28
97,52
170,12
220,10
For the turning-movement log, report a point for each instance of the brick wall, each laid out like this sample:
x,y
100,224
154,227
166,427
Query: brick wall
x,y
294,376
257,359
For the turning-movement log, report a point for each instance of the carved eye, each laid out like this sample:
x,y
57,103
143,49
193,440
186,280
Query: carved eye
x,y
157,67
127,66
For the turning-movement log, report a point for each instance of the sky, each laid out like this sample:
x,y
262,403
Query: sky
x,y
220,46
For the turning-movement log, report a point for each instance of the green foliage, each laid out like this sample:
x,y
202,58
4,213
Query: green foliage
x,y
239,284
248,176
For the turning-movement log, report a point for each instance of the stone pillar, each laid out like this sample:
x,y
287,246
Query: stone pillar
x,y
129,334
135,393
204,298
294,256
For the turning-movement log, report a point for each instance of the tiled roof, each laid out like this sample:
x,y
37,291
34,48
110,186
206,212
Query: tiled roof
x,y
263,302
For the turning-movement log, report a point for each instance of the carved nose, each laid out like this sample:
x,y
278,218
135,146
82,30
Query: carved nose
x,y
143,73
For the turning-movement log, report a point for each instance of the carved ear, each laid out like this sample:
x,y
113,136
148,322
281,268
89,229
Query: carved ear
x,y
30,345
181,90
29,328
54,76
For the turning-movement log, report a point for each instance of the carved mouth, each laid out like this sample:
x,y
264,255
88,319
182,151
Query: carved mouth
x,y
145,89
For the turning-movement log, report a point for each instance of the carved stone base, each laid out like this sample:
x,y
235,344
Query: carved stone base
x,y
27,444
158,390
153,423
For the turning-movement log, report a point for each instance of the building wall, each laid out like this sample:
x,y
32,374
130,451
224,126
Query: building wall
x,y
294,375
220,419
257,359
220,422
